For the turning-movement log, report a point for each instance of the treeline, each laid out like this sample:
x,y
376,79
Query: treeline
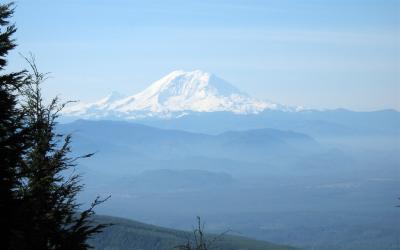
x,y
38,184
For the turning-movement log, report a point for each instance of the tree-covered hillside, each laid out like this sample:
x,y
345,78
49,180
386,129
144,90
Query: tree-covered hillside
x,y
129,234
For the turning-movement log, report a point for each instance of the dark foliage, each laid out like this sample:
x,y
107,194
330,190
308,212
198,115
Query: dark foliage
x,y
38,183
12,136
51,183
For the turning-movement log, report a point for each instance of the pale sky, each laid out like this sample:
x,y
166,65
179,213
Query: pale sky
x,y
314,53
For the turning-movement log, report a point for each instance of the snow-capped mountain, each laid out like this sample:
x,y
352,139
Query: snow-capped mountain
x,y
174,95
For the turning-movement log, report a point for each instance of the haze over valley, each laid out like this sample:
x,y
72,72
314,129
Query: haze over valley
x,y
193,145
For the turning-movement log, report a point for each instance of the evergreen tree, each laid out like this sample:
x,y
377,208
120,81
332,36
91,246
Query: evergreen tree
x,y
12,137
38,185
49,192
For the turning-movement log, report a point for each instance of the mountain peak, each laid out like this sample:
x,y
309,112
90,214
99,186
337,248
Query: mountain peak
x,y
181,78
177,93
195,84
197,72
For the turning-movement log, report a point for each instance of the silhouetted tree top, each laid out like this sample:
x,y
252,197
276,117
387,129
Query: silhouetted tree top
x,y
38,181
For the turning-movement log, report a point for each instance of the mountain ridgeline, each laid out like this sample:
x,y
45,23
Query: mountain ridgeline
x,y
198,101
160,144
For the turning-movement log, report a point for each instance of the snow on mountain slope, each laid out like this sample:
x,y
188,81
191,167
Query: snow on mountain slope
x,y
174,95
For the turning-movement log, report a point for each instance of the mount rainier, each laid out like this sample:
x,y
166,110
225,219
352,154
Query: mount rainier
x,y
174,95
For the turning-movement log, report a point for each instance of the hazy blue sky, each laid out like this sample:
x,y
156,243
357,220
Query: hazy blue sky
x,y
319,54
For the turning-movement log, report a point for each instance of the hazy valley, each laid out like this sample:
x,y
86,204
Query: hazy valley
x,y
276,185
